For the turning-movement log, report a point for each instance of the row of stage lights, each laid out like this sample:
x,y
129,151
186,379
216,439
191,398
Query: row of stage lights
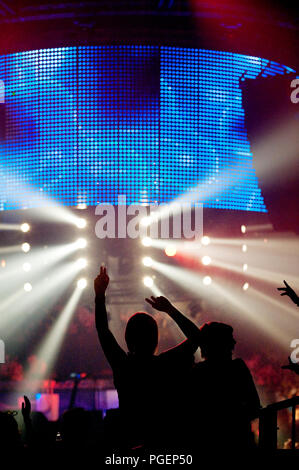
x,y
81,263
147,241
170,250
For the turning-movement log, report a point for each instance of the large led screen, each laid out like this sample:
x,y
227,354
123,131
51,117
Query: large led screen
x,y
86,124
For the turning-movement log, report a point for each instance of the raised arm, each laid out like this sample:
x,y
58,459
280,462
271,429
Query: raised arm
x,y
293,366
113,352
287,290
26,413
189,329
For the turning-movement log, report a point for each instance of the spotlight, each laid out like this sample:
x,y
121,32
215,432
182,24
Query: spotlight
x,y
81,242
81,263
81,223
170,250
147,261
81,206
207,280
244,248
148,281
245,286
146,241
205,240
25,227
26,267
206,260
146,221
245,267
243,228
25,247
27,287
82,283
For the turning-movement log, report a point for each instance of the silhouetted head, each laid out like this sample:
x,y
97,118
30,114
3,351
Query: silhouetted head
x,y
142,334
76,427
217,341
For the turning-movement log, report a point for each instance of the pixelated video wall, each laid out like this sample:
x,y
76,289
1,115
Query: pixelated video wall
x,y
86,124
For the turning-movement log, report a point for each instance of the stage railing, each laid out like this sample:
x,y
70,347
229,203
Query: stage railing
x,y
268,424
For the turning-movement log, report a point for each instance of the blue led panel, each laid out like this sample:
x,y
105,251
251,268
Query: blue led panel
x,y
86,124
57,123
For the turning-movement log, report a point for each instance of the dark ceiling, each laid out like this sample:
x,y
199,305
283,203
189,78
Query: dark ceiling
x,y
263,28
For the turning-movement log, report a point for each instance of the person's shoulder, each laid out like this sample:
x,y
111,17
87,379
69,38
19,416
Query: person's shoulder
x,y
124,359
240,364
181,353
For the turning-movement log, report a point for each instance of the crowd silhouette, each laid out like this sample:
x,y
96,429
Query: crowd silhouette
x,y
167,401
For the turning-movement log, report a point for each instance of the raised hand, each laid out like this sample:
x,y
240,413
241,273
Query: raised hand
x,y
287,290
26,408
160,303
293,366
101,282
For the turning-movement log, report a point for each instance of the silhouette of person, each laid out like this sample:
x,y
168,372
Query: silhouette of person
x,y
77,429
150,387
9,433
225,397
